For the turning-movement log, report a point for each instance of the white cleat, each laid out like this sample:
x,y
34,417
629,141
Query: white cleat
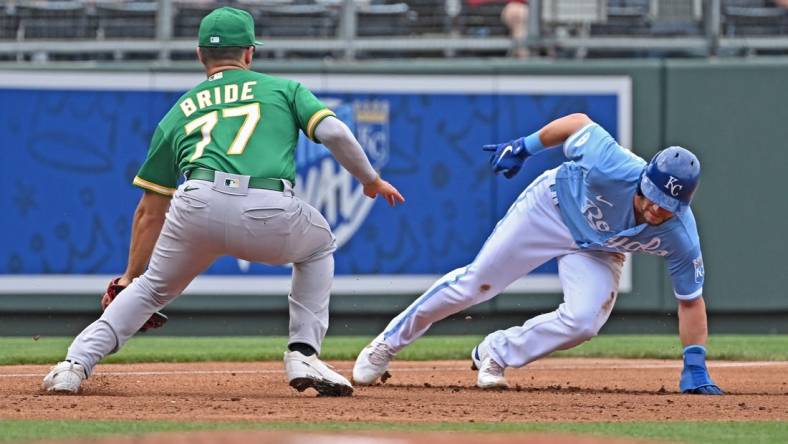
x,y
65,377
304,372
490,372
372,362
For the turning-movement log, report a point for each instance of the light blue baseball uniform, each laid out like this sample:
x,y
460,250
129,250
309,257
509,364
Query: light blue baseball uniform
x,y
595,191
580,214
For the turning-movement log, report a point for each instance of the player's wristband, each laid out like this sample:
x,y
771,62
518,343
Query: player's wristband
x,y
533,144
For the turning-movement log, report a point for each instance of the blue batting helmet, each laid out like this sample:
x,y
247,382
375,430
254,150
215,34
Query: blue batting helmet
x,y
671,178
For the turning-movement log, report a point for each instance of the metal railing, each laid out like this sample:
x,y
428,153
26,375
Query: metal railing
x,y
166,30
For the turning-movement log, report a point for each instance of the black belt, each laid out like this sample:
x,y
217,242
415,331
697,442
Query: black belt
x,y
262,183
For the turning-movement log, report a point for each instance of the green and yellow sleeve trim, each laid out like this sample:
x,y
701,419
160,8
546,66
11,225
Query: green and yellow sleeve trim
x,y
315,119
150,186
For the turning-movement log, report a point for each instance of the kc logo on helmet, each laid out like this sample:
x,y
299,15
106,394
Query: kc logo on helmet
x,y
673,186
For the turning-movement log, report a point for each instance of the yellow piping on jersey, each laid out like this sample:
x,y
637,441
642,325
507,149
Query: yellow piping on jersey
x,y
142,183
315,119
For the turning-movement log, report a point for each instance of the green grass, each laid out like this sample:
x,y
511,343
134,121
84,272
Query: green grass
x,y
15,350
688,432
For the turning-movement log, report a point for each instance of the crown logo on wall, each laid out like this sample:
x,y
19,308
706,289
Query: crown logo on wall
x,y
375,111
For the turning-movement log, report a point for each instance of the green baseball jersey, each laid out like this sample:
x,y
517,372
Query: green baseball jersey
x,y
236,121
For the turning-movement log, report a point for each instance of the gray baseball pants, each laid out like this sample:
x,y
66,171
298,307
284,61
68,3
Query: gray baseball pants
x,y
212,220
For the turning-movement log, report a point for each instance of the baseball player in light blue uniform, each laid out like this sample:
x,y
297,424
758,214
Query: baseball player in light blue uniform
x,y
603,202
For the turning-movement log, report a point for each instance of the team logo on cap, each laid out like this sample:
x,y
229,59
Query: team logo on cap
x,y
673,186
215,39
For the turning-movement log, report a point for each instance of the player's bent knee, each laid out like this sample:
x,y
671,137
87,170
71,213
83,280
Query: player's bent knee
x,y
586,333
583,328
159,292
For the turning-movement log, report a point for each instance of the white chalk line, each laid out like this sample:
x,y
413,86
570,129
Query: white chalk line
x,y
666,365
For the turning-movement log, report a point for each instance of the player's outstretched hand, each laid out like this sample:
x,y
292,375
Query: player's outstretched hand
x,y
507,157
695,377
385,189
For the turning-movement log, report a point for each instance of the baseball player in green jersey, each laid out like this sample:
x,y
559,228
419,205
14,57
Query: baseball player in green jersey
x,y
233,137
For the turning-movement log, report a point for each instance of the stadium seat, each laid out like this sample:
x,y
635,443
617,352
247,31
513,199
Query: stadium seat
x,y
573,17
432,17
677,17
295,21
9,22
624,17
63,19
187,16
483,18
753,18
127,20
384,20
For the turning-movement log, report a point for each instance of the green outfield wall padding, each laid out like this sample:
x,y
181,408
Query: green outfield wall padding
x,y
734,115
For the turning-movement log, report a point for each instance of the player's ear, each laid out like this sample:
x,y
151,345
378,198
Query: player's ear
x,y
199,56
248,54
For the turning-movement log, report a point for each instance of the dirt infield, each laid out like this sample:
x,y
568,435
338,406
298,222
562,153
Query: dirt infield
x,y
567,390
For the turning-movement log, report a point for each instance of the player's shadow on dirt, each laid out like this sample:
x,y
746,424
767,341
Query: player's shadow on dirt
x,y
104,392
554,389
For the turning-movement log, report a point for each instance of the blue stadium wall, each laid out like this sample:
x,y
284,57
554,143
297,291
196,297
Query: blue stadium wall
x,y
72,141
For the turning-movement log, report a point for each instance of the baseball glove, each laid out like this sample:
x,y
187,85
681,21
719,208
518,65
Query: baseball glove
x,y
156,320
